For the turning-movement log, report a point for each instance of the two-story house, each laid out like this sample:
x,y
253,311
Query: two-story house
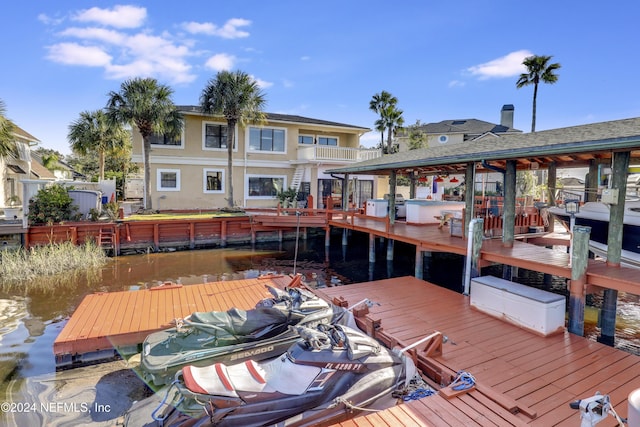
x,y
458,131
15,168
287,151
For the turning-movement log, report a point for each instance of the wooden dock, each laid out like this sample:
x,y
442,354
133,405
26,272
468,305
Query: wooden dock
x,y
522,254
522,378
107,322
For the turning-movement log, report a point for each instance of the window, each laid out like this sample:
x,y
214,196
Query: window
x,y
305,139
266,139
326,140
215,135
156,139
168,179
267,187
213,181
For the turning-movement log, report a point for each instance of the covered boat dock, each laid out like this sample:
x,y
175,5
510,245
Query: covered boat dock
x,y
614,144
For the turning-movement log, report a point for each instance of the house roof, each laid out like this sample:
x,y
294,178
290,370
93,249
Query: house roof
x,y
566,147
24,135
465,126
282,118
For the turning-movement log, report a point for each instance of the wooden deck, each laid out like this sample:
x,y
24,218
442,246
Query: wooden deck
x,y
523,255
104,321
517,372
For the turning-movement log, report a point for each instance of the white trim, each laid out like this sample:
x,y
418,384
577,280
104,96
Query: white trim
x,y
203,136
248,140
159,173
204,181
246,185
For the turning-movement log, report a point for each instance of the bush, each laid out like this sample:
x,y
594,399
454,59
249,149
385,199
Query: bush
x,y
52,205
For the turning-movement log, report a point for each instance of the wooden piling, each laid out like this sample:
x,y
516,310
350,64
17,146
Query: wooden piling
x,y
580,256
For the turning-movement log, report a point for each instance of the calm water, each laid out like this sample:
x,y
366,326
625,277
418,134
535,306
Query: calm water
x,y
29,323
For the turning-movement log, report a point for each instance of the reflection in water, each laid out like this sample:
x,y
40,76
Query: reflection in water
x,y
31,320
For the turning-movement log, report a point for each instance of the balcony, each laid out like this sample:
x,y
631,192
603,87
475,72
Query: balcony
x,y
328,153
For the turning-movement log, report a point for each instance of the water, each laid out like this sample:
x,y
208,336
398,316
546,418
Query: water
x,y
30,321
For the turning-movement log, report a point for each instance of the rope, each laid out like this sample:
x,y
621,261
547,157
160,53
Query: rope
x,y
463,381
417,389
160,419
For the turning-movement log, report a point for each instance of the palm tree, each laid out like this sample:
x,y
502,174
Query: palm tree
x,y
393,121
538,70
378,104
94,132
236,96
147,105
7,139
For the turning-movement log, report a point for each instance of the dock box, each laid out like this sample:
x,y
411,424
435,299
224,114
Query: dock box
x,y
430,211
531,308
377,207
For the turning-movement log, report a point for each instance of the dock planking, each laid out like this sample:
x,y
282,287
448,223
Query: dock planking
x,y
428,237
541,375
104,321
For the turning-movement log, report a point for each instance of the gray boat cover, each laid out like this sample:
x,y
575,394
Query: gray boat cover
x,y
238,322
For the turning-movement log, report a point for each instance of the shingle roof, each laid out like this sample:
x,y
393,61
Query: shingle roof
x,y
590,138
465,126
276,117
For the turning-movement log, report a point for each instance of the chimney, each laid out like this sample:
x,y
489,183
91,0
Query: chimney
x,y
506,115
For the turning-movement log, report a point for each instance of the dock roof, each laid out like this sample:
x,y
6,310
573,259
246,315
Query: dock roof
x,y
568,147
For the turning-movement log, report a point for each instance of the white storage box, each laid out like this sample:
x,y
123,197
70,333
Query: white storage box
x,y
377,207
534,309
429,211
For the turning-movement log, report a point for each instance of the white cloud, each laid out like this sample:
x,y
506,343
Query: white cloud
x,y
93,33
111,38
229,30
75,54
287,83
262,83
48,20
120,16
221,62
456,83
370,139
507,66
305,58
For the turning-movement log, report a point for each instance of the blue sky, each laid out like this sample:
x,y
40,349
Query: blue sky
x,y
442,60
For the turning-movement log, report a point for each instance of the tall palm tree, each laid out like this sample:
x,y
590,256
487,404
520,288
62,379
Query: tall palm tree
x,y
94,132
147,105
538,70
236,96
7,139
378,104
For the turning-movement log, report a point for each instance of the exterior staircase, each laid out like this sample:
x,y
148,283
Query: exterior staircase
x,y
298,174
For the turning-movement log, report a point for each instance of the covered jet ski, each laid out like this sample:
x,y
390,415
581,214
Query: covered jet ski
x,y
332,372
235,335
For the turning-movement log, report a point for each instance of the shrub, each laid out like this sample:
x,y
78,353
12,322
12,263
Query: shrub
x,y
52,205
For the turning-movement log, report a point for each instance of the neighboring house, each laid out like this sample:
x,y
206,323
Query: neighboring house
x,y
462,130
14,169
287,151
61,171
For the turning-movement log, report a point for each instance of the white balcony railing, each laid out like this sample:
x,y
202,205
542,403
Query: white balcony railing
x,y
342,154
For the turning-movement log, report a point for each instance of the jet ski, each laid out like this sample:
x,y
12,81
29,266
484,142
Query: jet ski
x,y
331,373
235,335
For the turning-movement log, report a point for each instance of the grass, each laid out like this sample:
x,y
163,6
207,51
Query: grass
x,y
49,265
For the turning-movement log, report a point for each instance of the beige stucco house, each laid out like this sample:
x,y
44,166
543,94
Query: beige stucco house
x,y
14,169
287,151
